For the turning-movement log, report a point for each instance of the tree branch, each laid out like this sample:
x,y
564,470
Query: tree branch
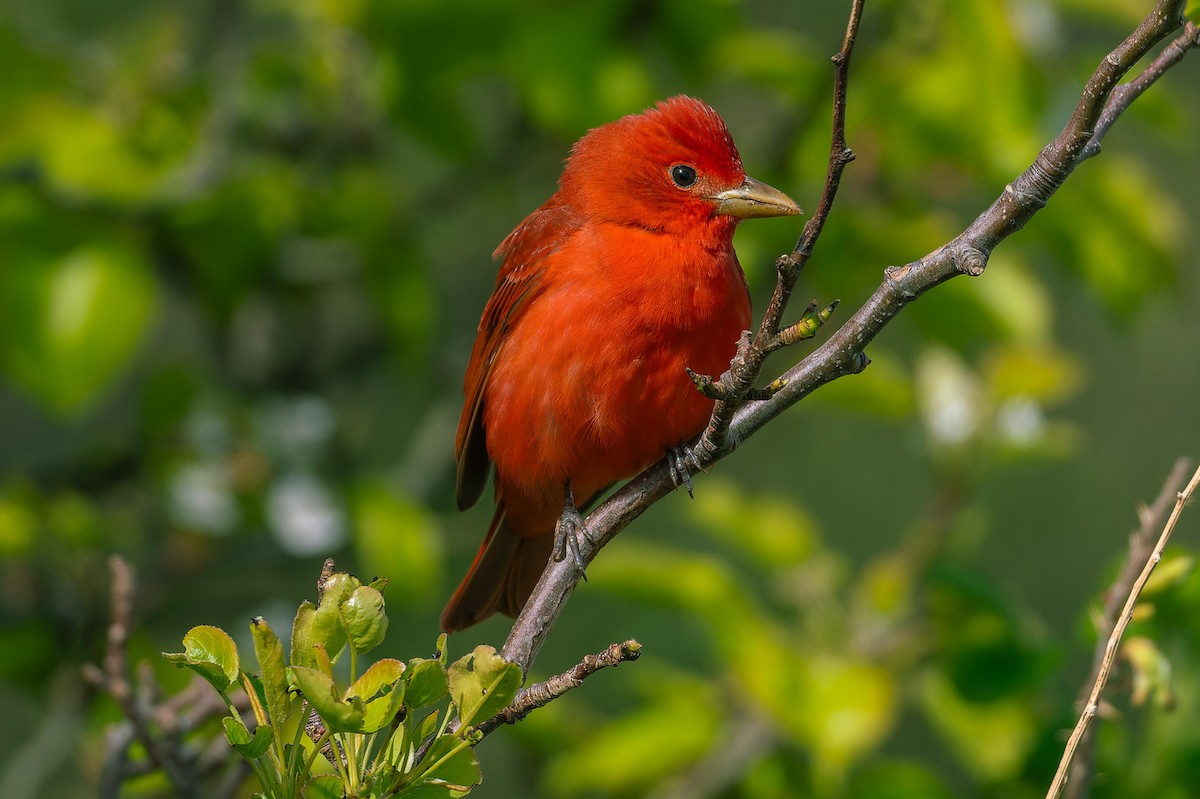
x,y
1114,639
747,364
1141,544
843,352
534,696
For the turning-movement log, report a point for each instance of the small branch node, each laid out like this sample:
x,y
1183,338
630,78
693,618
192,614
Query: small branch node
x,y
540,694
970,261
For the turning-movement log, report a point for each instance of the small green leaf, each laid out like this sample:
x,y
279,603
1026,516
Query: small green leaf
x,y
250,746
427,728
482,684
326,786
426,682
326,624
319,689
364,618
211,653
302,637
382,687
269,651
383,673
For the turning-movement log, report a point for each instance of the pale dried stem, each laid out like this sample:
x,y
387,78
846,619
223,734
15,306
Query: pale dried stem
x,y
1114,640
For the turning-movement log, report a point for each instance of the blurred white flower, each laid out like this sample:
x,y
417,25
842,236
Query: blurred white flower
x,y
1020,421
949,396
200,497
303,516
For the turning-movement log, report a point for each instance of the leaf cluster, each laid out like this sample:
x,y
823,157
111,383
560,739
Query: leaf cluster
x,y
386,732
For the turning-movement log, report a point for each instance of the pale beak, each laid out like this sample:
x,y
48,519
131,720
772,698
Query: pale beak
x,y
754,199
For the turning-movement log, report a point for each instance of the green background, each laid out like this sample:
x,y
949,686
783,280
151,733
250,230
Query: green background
x,y
243,249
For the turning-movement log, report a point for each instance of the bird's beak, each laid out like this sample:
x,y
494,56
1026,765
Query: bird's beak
x,y
754,199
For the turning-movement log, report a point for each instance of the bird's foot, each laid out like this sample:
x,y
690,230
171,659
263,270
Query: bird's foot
x,y
681,462
569,526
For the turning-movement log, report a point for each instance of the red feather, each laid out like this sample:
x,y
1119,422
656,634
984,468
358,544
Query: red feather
x,y
604,294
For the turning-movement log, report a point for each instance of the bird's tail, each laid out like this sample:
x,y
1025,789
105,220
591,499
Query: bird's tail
x,y
501,578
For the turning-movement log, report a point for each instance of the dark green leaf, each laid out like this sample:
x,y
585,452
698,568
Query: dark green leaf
x,y
426,682
250,746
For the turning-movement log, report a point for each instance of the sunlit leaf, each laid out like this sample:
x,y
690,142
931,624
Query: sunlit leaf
x,y
211,653
382,688
364,618
319,689
482,684
327,628
269,651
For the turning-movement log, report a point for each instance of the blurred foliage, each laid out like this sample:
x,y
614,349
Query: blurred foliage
x,y
243,249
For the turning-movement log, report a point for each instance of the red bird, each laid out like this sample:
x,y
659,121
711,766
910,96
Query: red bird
x,y
605,293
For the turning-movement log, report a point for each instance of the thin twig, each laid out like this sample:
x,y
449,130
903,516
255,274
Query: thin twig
x,y
114,679
843,352
1141,544
747,364
1114,639
158,724
1124,95
534,696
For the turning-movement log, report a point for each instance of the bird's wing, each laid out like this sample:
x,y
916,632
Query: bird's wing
x,y
523,257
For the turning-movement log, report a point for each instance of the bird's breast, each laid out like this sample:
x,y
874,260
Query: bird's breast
x,y
591,383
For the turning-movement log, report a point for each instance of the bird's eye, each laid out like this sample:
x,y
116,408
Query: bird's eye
x,y
683,175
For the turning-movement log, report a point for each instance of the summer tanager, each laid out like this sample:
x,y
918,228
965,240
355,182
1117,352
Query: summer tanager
x,y
605,294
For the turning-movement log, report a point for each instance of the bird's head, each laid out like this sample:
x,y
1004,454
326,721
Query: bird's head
x,y
672,168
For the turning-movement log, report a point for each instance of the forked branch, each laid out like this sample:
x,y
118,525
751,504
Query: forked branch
x,y
843,352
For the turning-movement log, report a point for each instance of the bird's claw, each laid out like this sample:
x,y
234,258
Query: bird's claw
x,y
681,462
570,525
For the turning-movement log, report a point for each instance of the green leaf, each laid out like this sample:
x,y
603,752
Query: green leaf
x,y
321,692
426,681
70,323
439,651
326,786
211,653
482,684
364,618
449,771
250,747
302,637
427,728
327,628
383,673
382,687
269,651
